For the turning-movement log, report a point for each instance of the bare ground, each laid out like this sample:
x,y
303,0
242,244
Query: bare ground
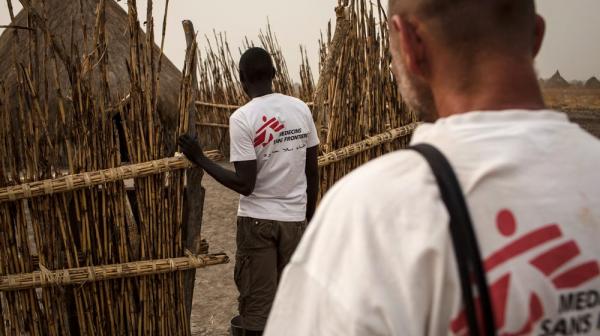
x,y
215,294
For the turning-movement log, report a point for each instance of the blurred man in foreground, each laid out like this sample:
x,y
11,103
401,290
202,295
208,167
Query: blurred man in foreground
x,y
378,259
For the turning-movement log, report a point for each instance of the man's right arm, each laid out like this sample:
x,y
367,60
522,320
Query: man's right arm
x,y
242,154
241,181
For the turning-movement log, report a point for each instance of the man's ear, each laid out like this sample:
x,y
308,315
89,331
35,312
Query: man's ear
x,y
540,32
412,47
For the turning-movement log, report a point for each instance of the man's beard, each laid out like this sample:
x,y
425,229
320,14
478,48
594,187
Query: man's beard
x,y
416,94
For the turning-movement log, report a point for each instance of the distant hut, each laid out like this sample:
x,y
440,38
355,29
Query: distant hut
x,y
592,83
556,82
64,20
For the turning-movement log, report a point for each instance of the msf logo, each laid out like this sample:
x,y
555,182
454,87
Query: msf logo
x,y
267,133
558,260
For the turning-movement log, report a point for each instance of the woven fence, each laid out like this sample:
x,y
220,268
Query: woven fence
x,y
87,253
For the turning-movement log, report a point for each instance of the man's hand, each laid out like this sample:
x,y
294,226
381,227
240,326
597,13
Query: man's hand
x,y
191,148
241,181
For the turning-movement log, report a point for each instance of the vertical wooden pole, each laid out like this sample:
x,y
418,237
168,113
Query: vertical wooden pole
x,y
194,193
342,29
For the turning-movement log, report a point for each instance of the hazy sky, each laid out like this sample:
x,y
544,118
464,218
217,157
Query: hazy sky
x,y
572,43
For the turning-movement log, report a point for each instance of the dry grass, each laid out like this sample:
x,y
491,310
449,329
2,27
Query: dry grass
x,y
573,99
581,105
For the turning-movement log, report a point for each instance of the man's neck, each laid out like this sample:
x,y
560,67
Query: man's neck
x,y
500,86
260,90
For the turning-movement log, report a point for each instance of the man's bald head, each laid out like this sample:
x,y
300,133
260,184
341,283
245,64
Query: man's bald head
x,y
474,23
446,53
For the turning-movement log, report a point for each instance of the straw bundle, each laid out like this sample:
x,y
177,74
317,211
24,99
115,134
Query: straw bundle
x,y
372,142
86,275
35,259
90,179
356,97
235,107
220,106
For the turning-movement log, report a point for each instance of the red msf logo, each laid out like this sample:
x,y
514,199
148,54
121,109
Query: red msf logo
x,y
267,132
547,262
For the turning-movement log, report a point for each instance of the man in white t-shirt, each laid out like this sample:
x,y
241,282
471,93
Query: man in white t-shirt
x,y
378,258
274,147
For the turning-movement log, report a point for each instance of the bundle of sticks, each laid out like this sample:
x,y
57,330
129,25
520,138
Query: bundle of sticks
x,y
356,96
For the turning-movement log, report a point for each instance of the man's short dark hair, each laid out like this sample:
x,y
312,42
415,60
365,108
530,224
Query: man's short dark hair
x,y
256,65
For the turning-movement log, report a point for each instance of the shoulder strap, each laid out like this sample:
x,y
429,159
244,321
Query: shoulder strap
x,y
465,244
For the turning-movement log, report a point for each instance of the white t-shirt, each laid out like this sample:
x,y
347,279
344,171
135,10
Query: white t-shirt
x,y
378,259
275,130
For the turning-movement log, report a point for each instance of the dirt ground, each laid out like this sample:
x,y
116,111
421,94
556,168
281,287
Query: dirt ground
x,y
215,295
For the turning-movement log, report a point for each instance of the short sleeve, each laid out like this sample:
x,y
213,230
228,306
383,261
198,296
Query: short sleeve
x,y
313,135
241,146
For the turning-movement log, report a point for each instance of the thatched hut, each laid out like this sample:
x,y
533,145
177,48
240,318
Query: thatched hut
x,y
556,82
592,83
65,20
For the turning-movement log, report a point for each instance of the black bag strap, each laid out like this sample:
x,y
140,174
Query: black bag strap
x,y
464,240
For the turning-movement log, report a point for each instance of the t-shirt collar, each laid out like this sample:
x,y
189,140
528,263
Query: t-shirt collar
x,y
488,118
266,96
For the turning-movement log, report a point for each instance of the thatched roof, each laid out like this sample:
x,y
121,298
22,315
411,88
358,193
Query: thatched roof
x,y
61,16
592,83
556,82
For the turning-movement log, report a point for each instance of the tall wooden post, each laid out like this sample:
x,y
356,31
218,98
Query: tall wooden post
x,y
194,193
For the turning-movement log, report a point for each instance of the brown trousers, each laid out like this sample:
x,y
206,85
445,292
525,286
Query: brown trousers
x,y
264,247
